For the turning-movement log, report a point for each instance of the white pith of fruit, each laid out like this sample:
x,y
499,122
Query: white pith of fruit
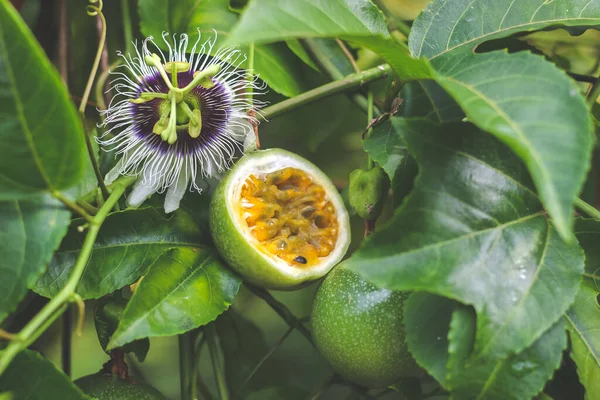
x,y
271,161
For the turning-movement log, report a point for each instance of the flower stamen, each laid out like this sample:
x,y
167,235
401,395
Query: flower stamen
x,y
179,118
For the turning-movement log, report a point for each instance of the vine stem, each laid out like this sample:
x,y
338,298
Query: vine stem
x,y
587,208
57,305
211,340
96,11
128,32
351,82
186,365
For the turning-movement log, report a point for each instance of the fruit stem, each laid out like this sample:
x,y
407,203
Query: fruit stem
x,y
349,83
57,305
211,339
282,310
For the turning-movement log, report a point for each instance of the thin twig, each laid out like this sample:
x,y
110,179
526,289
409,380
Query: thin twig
x,y
349,83
348,55
593,92
66,342
211,339
282,310
186,365
266,357
325,65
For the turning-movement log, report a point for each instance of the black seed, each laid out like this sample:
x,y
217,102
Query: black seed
x,y
300,259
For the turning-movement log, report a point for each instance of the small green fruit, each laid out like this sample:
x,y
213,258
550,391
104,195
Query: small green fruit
x,y
110,387
367,192
278,220
358,328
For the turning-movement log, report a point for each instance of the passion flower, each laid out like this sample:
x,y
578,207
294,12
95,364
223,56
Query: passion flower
x,y
278,220
178,118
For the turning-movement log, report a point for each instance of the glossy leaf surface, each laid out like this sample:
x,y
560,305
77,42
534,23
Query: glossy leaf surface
x,y
128,243
31,376
41,142
445,27
185,288
359,21
31,231
472,230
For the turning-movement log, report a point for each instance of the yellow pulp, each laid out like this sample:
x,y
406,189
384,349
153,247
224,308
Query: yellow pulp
x,y
290,216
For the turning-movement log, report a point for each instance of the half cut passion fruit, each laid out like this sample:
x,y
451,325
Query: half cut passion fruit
x,y
278,220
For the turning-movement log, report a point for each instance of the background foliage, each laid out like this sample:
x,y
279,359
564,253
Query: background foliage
x,y
486,122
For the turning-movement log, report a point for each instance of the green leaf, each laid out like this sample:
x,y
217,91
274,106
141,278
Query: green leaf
x,y
185,288
31,231
32,377
583,324
244,346
386,148
474,231
427,320
426,99
450,26
511,95
41,137
107,314
516,377
329,51
534,108
283,20
359,21
587,232
274,63
128,243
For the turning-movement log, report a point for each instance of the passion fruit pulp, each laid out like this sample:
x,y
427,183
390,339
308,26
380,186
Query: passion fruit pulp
x,y
358,328
278,220
105,386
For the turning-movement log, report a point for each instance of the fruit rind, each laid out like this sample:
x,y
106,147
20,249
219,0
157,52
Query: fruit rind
x,y
359,329
238,247
104,386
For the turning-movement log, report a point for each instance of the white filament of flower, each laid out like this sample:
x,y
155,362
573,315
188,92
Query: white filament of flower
x,y
178,119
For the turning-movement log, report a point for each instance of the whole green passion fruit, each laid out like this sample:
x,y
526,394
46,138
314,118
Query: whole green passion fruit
x,y
278,220
103,386
358,328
